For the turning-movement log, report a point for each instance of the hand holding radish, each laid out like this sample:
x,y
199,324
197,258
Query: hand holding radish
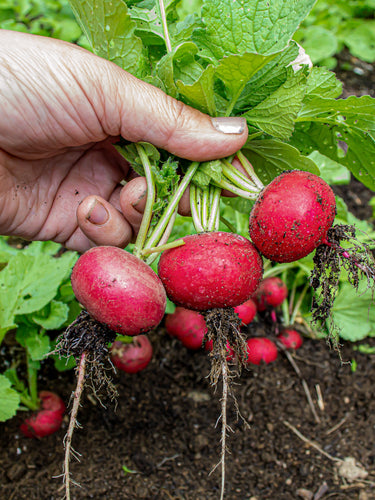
x,y
62,109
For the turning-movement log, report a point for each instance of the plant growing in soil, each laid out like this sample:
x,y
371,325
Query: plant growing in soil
x,y
290,338
291,110
187,326
132,355
47,419
261,349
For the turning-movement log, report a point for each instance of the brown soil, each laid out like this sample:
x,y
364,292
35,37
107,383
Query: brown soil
x,y
163,428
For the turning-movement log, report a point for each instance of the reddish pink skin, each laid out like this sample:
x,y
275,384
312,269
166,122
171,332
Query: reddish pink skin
x,y
292,215
119,290
209,346
188,326
290,338
211,270
260,349
246,311
134,357
48,419
271,293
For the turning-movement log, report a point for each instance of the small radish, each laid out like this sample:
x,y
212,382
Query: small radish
x,y
260,349
132,357
290,338
246,311
230,356
211,270
119,290
292,216
188,326
271,293
48,419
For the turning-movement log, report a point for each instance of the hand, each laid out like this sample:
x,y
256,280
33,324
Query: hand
x,y
62,108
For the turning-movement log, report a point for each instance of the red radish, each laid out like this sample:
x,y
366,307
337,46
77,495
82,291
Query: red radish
x,y
260,349
133,357
48,419
211,270
292,216
290,338
188,326
246,311
209,345
119,290
271,293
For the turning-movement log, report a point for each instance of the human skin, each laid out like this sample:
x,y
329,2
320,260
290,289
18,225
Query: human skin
x,y
62,108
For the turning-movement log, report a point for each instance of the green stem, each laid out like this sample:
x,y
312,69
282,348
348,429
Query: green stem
x,y
298,303
223,184
165,26
214,219
160,248
32,375
194,207
237,177
147,215
249,170
159,230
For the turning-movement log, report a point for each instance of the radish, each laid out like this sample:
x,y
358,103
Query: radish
x,y
48,419
188,326
271,292
290,338
246,311
260,349
292,216
132,357
211,270
119,290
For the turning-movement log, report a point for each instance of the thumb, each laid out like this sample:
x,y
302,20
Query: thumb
x,y
148,114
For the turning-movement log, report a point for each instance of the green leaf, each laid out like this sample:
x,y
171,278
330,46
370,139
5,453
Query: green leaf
x,y
268,79
37,343
320,43
201,93
331,171
29,282
242,26
361,40
323,83
63,364
110,30
9,400
53,316
235,71
270,158
180,65
208,171
353,313
277,113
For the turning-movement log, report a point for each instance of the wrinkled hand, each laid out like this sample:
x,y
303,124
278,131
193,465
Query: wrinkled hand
x,y
61,110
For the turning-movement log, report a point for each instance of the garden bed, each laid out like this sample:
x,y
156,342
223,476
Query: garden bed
x,y
162,427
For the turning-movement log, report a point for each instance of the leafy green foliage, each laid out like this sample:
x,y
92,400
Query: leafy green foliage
x,y
41,17
36,301
9,399
335,24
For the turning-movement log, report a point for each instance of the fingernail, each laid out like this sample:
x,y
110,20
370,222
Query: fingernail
x,y
137,202
229,124
97,214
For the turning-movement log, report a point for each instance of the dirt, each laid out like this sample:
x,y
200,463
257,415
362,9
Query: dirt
x,y
161,441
